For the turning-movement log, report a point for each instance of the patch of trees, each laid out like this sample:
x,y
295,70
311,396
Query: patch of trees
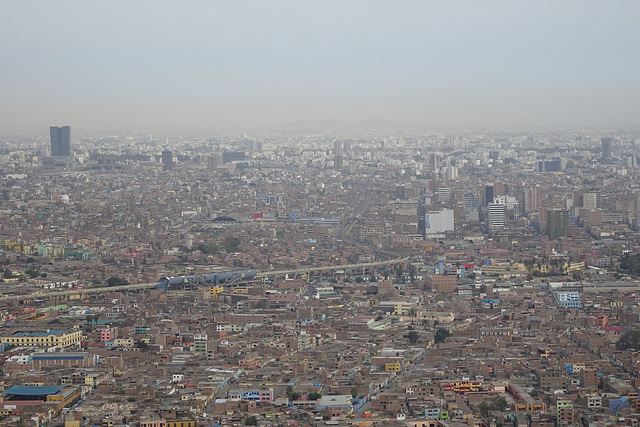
x,y
630,263
210,249
629,340
116,281
441,335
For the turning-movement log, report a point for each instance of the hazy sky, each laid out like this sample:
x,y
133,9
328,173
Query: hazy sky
x,y
145,65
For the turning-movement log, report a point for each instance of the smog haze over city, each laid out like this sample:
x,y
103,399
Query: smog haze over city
x,y
320,213
166,65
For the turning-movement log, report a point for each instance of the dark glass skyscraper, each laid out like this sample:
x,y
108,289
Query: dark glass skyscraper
x,y
488,194
606,147
167,160
60,141
557,223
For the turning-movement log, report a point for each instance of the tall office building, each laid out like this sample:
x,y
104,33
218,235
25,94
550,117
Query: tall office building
x,y
557,223
554,165
444,194
434,163
636,209
592,200
233,156
470,201
212,162
60,141
496,215
532,198
606,147
338,161
488,194
338,147
167,160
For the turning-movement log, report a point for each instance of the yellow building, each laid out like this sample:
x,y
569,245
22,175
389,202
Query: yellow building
x,y
504,271
402,308
392,366
183,423
49,338
214,291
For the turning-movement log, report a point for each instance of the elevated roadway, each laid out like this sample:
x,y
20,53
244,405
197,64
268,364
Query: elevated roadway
x,y
332,267
138,286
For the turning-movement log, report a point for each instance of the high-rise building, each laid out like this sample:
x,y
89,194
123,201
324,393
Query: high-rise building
x,y
557,223
488,194
451,173
636,208
233,156
532,199
470,201
444,194
496,215
212,162
338,161
554,165
606,147
338,147
434,163
60,141
167,160
591,200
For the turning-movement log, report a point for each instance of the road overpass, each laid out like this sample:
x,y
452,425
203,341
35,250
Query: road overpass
x,y
139,286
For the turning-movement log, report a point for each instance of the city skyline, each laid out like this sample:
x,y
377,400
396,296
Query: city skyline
x,y
206,65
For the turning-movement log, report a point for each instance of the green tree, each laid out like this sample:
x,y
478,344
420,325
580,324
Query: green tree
x,y
413,337
441,335
354,392
251,421
31,273
116,281
289,391
629,340
231,244
630,264
412,313
412,273
295,395
210,249
485,409
314,395
500,404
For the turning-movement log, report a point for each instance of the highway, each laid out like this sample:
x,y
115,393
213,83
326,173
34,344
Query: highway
x,y
362,207
58,294
332,267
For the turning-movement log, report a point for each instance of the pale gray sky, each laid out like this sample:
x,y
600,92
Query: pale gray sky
x,y
145,65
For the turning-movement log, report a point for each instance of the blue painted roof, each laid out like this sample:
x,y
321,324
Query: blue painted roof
x,y
33,390
38,334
